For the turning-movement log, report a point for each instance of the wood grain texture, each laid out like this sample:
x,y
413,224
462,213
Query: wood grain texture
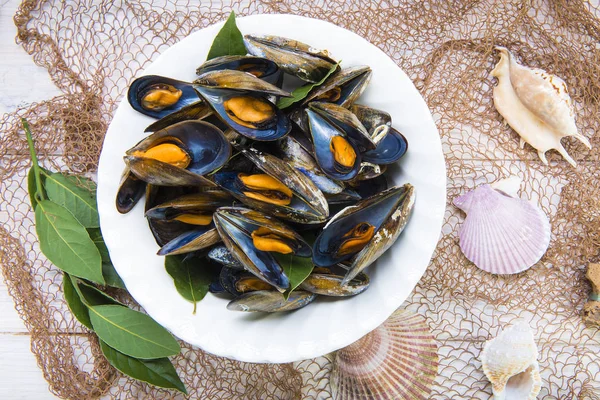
x,y
21,82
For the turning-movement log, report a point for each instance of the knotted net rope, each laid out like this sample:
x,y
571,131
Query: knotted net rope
x,y
93,50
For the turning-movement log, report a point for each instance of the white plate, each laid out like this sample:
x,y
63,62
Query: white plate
x,y
325,325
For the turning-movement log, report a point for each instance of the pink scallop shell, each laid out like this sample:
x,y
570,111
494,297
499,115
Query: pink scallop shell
x,y
502,234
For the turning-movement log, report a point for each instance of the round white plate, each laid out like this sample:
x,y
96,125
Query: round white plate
x,y
325,325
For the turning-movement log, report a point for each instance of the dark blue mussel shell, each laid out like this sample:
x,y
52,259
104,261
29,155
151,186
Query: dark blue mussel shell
x,y
322,132
139,88
197,238
262,68
297,210
374,210
391,148
235,233
275,129
203,142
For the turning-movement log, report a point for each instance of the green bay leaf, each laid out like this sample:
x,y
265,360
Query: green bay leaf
x,y
98,240
228,42
158,372
132,333
74,302
75,195
191,280
92,296
300,93
65,242
32,185
296,268
111,276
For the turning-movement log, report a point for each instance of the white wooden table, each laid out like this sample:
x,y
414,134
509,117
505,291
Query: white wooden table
x,y
21,82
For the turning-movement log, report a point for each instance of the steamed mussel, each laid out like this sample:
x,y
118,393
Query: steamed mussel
x,y
157,96
364,231
248,188
252,237
262,68
242,101
179,155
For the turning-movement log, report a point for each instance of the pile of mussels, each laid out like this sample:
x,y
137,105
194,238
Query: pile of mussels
x,y
231,178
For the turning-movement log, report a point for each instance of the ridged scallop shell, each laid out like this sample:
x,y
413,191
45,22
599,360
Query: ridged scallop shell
x,y
502,234
398,360
510,363
536,104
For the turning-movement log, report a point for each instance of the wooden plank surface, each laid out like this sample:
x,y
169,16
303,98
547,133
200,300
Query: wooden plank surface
x,y
21,82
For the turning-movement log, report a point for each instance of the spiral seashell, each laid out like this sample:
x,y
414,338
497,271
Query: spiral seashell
x,y
398,360
502,234
536,105
510,363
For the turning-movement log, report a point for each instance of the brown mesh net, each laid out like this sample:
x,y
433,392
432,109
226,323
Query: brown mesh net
x,y
92,50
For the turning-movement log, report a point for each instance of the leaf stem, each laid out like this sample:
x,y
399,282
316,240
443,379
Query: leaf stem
x,y
34,161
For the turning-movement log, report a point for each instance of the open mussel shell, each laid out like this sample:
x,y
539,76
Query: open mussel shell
x,y
238,282
252,237
389,150
200,237
157,96
343,87
260,67
164,231
270,301
398,360
338,156
388,232
193,148
174,236
223,256
329,284
294,57
195,111
237,80
131,190
282,191
377,122
242,102
371,187
344,120
186,207
365,230
297,156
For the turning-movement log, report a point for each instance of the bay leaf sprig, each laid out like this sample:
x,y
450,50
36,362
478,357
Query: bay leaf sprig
x,y
63,239
67,224
300,93
228,42
296,268
191,280
84,299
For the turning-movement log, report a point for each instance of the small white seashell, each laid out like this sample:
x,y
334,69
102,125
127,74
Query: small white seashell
x,y
510,363
536,105
502,234
398,360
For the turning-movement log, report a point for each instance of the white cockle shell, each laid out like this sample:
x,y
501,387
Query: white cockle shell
x,y
502,234
398,360
536,105
509,361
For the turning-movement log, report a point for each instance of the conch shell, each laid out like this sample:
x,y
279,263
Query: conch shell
x,y
510,363
536,105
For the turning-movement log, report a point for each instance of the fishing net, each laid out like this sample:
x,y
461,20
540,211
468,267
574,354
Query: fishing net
x,y
92,51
